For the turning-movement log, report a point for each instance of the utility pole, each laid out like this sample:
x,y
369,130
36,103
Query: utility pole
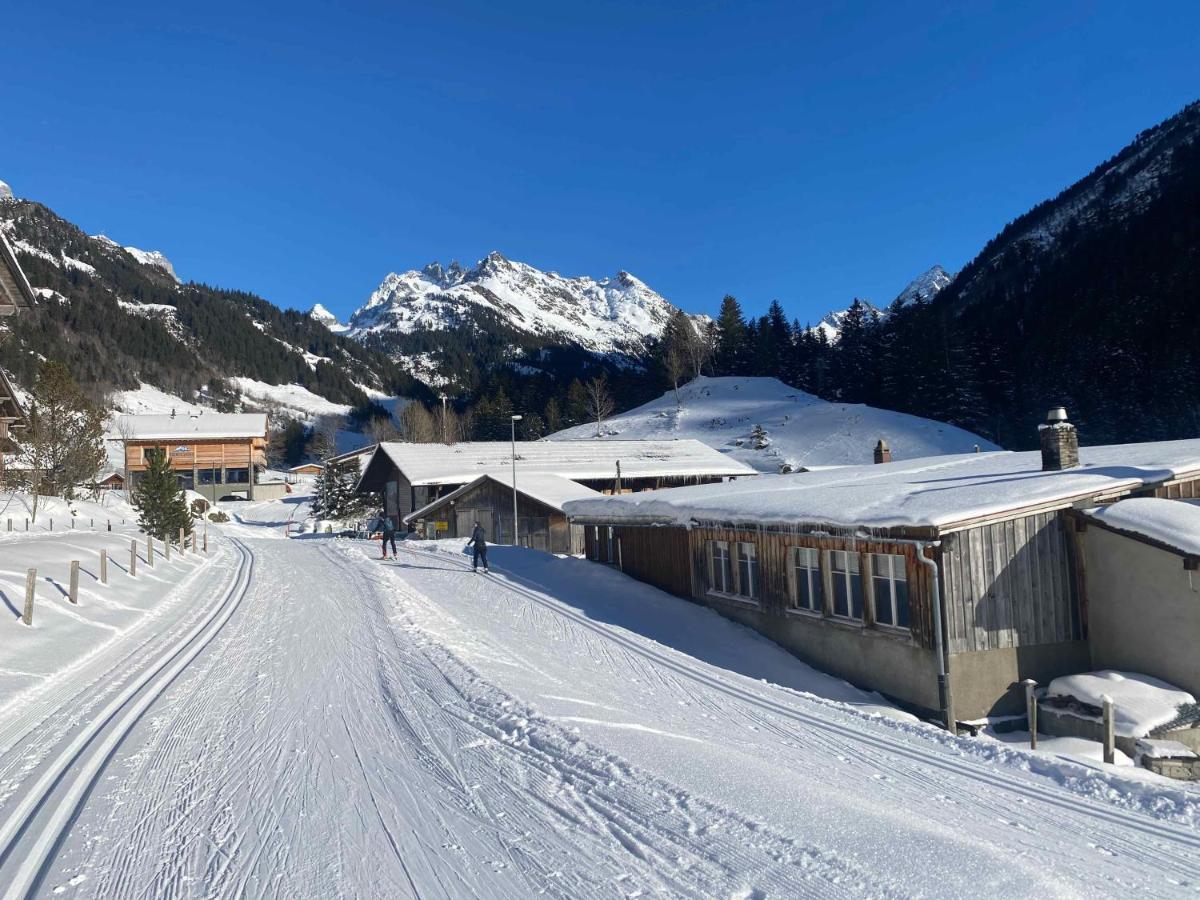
x,y
516,534
443,396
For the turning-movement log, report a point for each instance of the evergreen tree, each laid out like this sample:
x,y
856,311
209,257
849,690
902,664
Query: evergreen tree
x,y
731,338
159,500
577,403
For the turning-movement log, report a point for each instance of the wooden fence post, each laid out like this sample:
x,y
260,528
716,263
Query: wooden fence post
x,y
206,534
1110,741
150,550
133,558
1031,711
182,541
110,524
167,547
73,591
30,581
104,567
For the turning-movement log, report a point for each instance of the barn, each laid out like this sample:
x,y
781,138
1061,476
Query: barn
x,y
488,500
412,476
940,582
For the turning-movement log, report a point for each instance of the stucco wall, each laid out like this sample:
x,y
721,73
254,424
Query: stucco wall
x,y
891,664
1143,609
987,683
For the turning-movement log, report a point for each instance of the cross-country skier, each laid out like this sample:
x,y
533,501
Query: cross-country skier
x,y
388,536
479,542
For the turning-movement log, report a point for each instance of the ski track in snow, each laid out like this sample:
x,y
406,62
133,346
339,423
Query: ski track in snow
x,y
347,729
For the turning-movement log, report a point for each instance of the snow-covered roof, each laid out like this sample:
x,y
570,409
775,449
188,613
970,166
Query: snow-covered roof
x,y
550,490
1175,523
936,492
208,425
427,464
1140,703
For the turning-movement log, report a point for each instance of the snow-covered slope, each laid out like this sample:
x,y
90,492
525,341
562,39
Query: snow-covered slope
x,y
800,430
610,315
153,258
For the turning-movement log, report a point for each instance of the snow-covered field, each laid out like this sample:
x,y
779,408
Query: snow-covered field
x,y
306,721
801,430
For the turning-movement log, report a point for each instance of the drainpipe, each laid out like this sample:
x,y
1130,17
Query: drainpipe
x,y
939,642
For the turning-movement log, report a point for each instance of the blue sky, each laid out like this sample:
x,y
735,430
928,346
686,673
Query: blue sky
x,y
808,152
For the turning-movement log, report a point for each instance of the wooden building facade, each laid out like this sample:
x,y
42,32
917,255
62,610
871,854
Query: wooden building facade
x,y
947,617
216,455
15,295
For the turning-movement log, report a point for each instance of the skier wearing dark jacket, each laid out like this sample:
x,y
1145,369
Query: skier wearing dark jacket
x,y
388,536
478,541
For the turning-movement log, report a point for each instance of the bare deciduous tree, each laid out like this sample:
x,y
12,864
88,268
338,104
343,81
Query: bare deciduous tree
x,y
417,424
600,401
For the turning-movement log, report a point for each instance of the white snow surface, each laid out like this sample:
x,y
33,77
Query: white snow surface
x,y
1140,703
611,314
802,430
938,491
302,720
1175,523
320,314
291,398
549,489
5,191
578,459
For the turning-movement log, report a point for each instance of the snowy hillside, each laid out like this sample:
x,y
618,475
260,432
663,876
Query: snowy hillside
x,y
800,429
614,314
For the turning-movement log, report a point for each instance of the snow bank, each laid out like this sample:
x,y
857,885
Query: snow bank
x,y
1175,523
800,430
292,398
1141,703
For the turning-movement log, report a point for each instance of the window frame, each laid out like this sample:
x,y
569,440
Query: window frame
x,y
888,600
726,587
753,569
845,577
814,578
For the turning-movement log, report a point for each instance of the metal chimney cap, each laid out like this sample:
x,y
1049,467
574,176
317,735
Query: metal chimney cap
x,y
1056,414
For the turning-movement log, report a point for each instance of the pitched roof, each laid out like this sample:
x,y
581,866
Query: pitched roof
x,y
549,490
10,406
208,425
939,492
427,464
15,292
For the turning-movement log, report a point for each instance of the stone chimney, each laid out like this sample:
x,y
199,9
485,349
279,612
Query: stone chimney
x,y
883,453
1060,441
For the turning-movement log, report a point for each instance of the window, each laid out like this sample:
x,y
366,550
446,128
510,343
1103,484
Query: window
x,y
747,560
210,476
847,584
806,571
720,573
237,476
889,578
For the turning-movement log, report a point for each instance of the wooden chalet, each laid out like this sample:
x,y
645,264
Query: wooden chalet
x,y
412,476
15,295
218,455
488,500
940,582
308,468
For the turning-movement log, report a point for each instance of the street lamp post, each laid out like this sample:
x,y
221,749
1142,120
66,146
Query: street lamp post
x,y
516,533
444,441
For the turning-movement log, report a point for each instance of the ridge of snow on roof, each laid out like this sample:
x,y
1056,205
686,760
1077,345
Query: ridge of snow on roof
x,y
1175,523
424,464
934,492
207,425
551,490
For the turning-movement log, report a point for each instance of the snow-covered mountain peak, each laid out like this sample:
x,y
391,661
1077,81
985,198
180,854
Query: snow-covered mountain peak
x,y
154,258
5,191
615,314
925,286
319,313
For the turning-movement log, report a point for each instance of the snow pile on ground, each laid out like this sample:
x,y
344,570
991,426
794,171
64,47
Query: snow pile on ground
x,y
107,506
1071,748
1175,523
794,429
1140,703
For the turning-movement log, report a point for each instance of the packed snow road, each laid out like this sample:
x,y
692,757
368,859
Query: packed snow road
x,y
334,726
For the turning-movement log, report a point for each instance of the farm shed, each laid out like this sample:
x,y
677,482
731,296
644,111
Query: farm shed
x,y
488,500
941,582
411,476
